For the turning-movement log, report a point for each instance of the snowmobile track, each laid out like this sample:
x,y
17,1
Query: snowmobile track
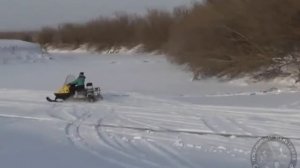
x,y
118,149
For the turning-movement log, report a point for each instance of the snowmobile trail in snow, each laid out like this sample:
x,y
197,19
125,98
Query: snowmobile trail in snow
x,y
158,131
143,123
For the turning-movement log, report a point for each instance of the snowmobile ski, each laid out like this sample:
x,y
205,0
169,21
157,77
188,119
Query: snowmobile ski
x,y
51,100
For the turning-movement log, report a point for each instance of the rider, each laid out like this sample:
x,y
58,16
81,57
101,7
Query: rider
x,y
78,84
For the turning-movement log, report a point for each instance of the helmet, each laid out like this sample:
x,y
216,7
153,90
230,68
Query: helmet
x,y
81,73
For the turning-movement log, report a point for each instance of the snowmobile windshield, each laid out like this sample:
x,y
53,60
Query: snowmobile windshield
x,y
69,79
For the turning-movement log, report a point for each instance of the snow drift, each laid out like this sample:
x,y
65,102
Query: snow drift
x,y
14,51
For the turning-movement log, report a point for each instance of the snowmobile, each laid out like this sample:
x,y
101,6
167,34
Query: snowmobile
x,y
66,92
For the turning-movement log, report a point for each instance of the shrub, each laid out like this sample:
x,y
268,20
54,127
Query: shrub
x,y
215,38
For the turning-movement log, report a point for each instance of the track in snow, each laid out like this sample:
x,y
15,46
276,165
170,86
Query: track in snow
x,y
152,133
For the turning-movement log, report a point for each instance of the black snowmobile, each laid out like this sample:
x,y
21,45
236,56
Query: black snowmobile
x,y
67,92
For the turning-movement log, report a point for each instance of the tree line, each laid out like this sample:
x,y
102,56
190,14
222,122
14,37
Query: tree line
x,y
215,38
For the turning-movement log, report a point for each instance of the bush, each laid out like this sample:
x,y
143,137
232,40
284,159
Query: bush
x,y
226,38
216,38
25,36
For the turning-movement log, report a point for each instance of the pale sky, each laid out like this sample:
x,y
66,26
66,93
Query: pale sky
x,y
33,14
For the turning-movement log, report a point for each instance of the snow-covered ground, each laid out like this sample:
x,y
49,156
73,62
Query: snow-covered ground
x,y
152,116
17,51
